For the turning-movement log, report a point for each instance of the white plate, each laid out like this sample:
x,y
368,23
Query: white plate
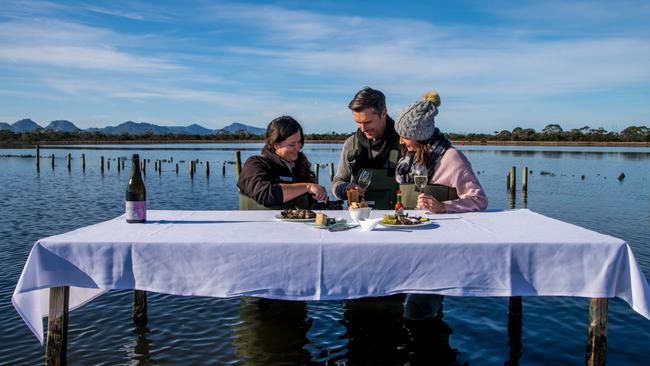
x,y
279,217
338,223
402,226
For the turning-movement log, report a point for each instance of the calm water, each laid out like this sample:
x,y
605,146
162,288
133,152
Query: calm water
x,y
194,330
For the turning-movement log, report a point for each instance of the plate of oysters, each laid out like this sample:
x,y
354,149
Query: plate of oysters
x,y
405,221
296,215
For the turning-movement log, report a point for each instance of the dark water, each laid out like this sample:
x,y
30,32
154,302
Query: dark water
x,y
209,331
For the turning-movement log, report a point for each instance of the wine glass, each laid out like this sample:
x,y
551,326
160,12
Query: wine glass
x,y
365,177
420,177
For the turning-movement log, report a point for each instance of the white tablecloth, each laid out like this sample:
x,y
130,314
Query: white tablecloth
x,y
233,253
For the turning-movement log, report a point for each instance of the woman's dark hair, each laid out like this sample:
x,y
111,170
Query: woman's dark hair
x,y
281,129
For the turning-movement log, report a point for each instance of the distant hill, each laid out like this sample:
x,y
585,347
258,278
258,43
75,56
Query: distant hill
x,y
240,127
62,126
132,128
25,125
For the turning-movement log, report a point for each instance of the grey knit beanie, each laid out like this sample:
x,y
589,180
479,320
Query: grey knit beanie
x,y
417,120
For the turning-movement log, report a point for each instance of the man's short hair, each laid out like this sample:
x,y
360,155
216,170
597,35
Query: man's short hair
x,y
368,98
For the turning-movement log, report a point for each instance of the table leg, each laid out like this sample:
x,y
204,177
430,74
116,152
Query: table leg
x,y
139,306
597,338
515,312
57,327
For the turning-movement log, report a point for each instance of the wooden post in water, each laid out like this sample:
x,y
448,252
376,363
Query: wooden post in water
x,y
237,163
68,161
524,180
119,163
513,178
159,167
144,166
108,164
176,168
223,169
508,181
38,158
57,327
597,337
207,168
52,161
123,164
83,162
101,164
515,311
191,166
139,314
331,171
317,171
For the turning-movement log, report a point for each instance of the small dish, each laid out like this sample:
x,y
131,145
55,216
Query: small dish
x,y
359,213
368,224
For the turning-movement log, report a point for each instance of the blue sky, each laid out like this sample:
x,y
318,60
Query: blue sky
x,y
496,64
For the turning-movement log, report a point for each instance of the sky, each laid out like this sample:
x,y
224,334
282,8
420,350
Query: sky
x,y
496,64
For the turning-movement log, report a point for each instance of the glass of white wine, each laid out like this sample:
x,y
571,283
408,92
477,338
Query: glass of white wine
x,y
365,177
420,177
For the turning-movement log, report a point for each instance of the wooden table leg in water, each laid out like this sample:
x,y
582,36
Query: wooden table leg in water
x,y
597,338
57,327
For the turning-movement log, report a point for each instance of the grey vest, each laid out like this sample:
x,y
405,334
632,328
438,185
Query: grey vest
x,y
438,191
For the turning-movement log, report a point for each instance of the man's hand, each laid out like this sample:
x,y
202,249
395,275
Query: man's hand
x,y
362,191
427,202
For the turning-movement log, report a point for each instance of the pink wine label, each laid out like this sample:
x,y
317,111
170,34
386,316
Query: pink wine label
x,y
136,210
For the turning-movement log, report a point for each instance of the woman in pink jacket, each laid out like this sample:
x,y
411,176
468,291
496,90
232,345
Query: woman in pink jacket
x,y
424,145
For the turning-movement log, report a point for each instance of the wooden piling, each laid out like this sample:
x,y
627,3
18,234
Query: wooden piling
x,y
123,164
515,312
83,162
597,334
176,168
68,159
524,180
57,327
144,166
159,167
108,164
513,178
52,157
119,163
331,171
317,171
101,164
207,168
38,158
139,313
191,167
223,169
237,163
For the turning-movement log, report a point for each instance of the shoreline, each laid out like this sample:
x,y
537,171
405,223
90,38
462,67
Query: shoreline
x,y
455,142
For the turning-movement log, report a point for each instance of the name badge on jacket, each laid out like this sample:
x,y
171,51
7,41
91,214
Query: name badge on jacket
x,y
286,179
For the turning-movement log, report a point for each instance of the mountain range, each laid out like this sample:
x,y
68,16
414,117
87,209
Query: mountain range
x,y
132,128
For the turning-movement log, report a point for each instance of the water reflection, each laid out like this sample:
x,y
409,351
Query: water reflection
x,y
379,335
272,332
140,355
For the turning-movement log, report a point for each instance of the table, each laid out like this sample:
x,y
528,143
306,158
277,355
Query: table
x,y
237,253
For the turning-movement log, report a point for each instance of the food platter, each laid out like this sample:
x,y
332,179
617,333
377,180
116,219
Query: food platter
x,y
279,217
402,226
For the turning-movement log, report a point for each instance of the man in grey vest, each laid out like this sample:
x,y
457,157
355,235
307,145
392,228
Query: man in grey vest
x,y
374,146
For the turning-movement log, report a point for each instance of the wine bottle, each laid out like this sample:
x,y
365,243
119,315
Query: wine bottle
x,y
136,195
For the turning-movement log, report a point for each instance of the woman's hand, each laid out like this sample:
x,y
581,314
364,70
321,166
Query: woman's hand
x,y
427,202
319,192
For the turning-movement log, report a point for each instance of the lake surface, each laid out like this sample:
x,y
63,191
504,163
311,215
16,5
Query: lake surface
x,y
573,184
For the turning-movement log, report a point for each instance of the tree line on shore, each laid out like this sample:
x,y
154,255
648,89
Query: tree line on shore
x,y
552,132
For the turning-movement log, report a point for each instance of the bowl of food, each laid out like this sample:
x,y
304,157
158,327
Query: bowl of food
x,y
359,211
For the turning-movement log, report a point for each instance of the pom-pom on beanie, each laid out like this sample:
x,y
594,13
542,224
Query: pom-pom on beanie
x,y
417,120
